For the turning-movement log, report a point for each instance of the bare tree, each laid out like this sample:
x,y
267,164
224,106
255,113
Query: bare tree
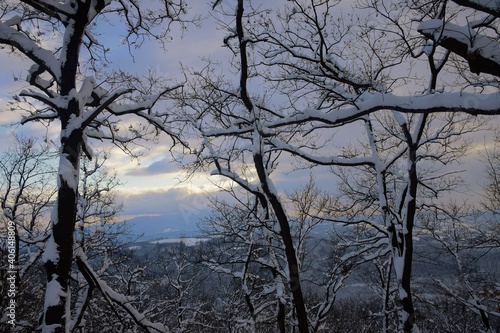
x,y
491,156
319,81
271,207
84,106
28,192
249,250
402,182
27,195
318,76
456,231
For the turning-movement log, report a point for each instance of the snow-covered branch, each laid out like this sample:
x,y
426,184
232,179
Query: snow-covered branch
x,y
490,7
115,298
320,160
43,57
482,52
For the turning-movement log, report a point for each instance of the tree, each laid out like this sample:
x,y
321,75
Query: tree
x,y
27,194
249,253
404,180
95,232
337,93
313,81
460,235
83,106
28,191
224,107
491,197
249,250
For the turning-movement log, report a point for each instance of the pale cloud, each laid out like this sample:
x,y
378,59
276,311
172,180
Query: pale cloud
x,y
171,202
158,167
198,183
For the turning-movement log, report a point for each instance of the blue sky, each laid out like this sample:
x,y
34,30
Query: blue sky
x,y
154,184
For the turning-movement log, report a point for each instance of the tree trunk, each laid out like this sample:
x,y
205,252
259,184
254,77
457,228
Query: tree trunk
x,y
286,236
59,253
406,249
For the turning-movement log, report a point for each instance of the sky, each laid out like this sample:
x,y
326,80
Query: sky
x,y
154,184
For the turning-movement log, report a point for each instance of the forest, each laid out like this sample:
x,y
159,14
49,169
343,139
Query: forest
x,y
337,138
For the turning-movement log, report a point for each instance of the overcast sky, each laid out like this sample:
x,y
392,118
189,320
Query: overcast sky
x,y
153,184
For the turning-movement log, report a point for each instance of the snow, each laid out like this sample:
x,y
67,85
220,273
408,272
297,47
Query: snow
x,y
322,160
371,102
45,84
277,228
398,266
189,241
237,179
15,20
380,167
484,45
280,287
431,25
68,173
147,103
53,292
122,300
86,90
30,48
399,118
50,253
367,103
427,47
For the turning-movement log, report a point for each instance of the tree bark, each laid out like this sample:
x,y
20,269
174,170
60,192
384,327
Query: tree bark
x,y
406,300
58,263
58,266
403,239
290,253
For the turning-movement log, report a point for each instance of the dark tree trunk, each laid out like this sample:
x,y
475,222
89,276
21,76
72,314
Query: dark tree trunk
x,y
281,317
286,236
291,256
404,240
58,263
63,227
407,301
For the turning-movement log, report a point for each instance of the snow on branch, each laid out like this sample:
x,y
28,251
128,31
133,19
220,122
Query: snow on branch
x,y
105,104
237,179
474,104
486,104
56,9
490,7
473,303
54,103
321,160
114,298
482,52
146,104
25,45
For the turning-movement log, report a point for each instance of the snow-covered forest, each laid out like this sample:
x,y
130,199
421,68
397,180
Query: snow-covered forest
x,y
336,135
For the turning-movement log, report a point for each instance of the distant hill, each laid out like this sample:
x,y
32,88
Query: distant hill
x,y
148,228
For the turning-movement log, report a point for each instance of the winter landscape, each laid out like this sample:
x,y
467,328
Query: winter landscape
x,y
250,166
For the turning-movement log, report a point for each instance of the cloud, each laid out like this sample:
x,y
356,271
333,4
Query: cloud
x,y
162,166
168,202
